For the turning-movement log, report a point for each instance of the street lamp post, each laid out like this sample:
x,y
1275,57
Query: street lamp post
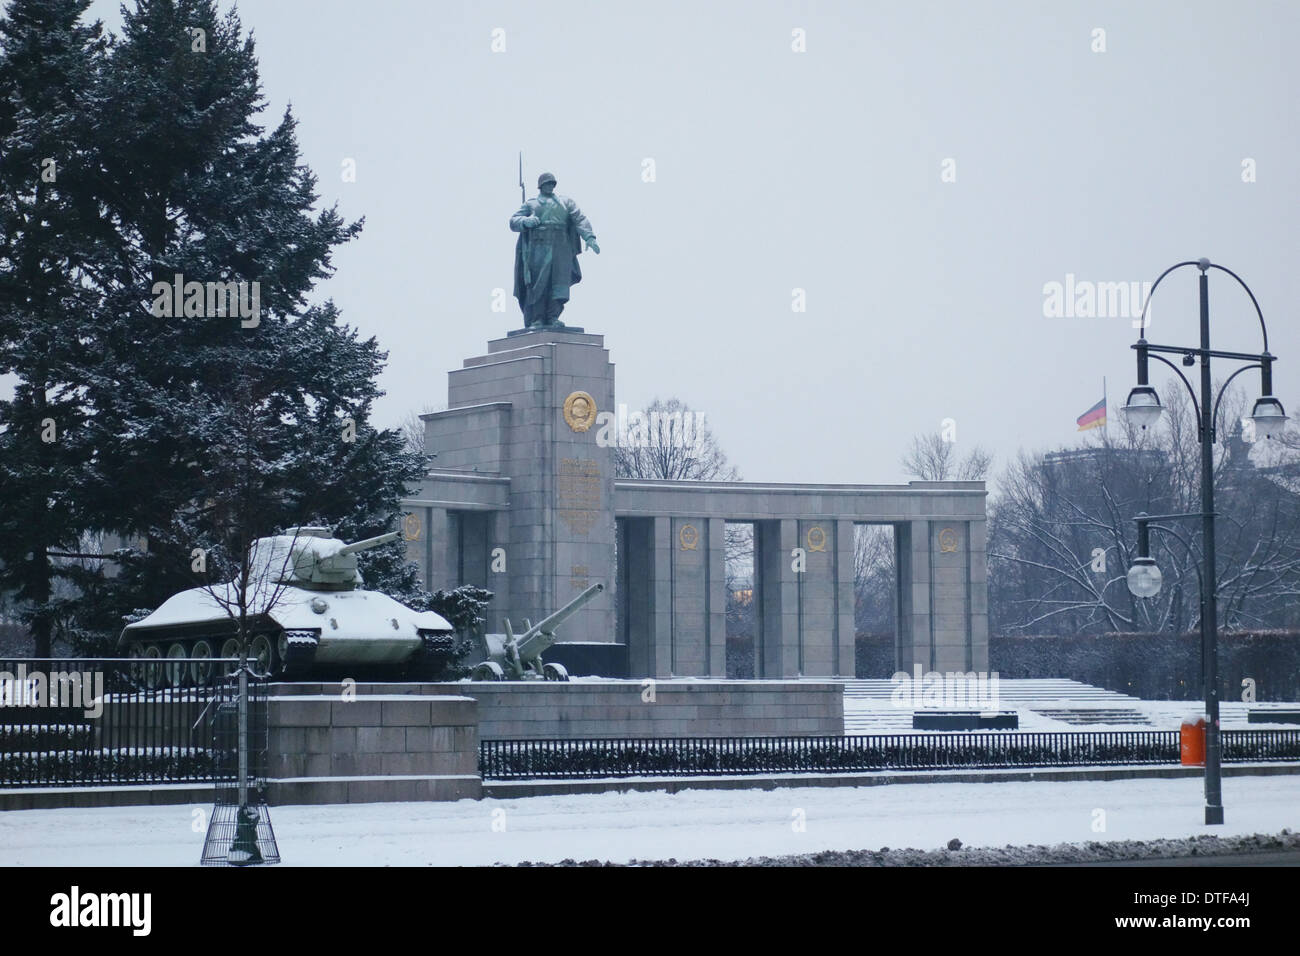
x,y
1143,409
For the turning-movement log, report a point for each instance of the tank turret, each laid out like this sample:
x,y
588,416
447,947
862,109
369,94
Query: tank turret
x,y
310,558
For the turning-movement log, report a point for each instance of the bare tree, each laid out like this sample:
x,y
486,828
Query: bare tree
x,y
671,440
412,428
934,458
874,577
1062,534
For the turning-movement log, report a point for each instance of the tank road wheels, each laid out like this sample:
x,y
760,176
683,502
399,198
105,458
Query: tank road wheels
x,y
200,671
231,648
262,653
136,652
177,672
488,670
153,671
555,672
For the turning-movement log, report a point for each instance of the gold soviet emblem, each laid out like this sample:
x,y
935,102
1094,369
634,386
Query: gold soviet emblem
x,y
816,538
689,537
580,411
947,540
411,527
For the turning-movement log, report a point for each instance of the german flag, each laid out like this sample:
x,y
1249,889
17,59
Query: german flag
x,y
1094,417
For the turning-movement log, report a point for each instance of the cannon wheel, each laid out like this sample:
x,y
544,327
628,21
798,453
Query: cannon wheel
x,y
488,670
555,672
200,672
177,674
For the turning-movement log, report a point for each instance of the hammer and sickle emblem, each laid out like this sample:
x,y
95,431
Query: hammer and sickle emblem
x,y
947,540
816,538
689,537
411,527
579,411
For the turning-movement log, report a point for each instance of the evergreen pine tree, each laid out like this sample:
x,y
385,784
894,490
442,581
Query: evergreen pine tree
x,y
50,249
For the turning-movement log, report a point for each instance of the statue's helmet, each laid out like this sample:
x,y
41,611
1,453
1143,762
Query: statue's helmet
x,y
545,178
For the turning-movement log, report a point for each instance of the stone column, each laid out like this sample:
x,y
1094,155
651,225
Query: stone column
x,y
689,547
716,635
914,619
815,588
845,601
979,595
661,651
950,587
779,593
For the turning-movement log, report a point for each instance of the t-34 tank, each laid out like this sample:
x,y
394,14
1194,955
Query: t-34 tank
x,y
307,612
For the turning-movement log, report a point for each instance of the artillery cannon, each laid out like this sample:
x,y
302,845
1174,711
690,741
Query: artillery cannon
x,y
508,657
306,606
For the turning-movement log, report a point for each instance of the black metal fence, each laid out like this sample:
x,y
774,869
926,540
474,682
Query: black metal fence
x,y
89,721
694,756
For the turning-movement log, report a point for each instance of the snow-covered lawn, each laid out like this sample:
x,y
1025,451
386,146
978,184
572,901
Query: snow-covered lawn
x,y
723,824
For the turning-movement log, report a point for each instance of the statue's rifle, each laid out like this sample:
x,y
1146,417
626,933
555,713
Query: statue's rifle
x,y
523,231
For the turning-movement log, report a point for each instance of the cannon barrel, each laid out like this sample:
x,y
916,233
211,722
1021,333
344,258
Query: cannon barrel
x,y
541,635
369,543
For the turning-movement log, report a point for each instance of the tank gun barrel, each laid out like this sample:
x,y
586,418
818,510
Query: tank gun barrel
x,y
368,543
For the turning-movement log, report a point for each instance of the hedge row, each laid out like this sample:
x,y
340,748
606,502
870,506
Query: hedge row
x,y
87,768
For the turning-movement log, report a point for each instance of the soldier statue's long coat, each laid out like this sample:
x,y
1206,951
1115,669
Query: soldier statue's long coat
x,y
552,257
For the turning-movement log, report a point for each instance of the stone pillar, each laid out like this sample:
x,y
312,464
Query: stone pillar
x,y
950,589
979,596
779,594
914,619
438,544
690,567
661,653
815,589
531,410
498,576
716,581
845,602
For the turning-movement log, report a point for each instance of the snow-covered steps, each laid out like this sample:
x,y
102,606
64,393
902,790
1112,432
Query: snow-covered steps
x,y
1010,691
1087,716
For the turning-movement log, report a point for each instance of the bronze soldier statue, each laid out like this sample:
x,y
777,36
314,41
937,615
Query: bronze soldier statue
x,y
551,231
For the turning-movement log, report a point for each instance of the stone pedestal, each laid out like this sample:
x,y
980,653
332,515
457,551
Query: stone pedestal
x,y
528,411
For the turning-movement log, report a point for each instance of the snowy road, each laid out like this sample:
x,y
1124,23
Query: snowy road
x,y
724,824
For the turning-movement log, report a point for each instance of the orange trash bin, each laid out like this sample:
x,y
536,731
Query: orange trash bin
x,y
1191,742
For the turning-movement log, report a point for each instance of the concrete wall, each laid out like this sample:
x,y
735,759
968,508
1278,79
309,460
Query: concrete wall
x,y
376,747
680,708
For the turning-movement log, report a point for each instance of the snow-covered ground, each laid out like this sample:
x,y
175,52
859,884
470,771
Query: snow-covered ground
x,y
617,827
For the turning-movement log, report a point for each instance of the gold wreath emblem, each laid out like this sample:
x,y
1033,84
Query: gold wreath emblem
x,y
689,537
947,540
411,527
580,411
816,538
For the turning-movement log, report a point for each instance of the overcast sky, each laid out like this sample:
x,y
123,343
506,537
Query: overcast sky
x,y
820,170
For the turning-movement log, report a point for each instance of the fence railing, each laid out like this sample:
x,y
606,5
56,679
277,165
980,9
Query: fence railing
x,y
694,756
89,721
